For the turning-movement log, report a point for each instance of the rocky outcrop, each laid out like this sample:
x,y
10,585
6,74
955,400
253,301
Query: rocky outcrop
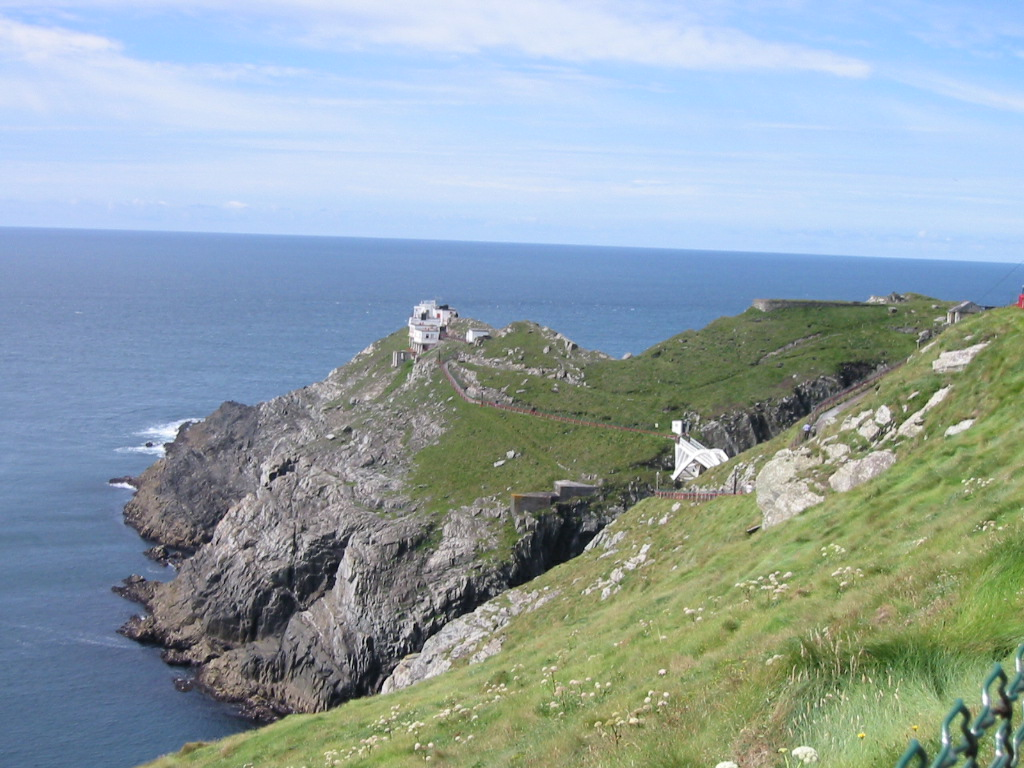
x,y
740,430
307,568
782,491
475,636
860,471
853,454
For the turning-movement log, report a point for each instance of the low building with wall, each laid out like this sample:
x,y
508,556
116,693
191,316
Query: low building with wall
x,y
961,310
532,502
538,500
769,305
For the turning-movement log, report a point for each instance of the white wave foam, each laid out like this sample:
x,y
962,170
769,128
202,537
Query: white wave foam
x,y
156,436
126,486
156,449
163,433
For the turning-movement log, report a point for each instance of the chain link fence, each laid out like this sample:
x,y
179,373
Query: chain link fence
x,y
964,740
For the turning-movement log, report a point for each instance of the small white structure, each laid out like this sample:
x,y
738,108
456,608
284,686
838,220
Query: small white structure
x,y
961,310
430,311
427,324
476,334
423,336
692,458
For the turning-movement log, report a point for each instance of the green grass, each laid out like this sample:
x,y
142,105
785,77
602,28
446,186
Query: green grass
x,y
732,363
931,553
460,468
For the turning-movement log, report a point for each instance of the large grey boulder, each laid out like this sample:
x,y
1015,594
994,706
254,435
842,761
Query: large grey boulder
x,y
781,492
858,472
956,360
476,635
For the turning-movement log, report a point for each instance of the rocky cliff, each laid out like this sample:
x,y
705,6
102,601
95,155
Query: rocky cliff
x,y
307,567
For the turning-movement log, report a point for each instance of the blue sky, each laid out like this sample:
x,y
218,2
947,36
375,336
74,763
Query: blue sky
x,y
826,126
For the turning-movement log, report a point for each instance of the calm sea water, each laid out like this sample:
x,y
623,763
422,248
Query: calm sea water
x,y
107,339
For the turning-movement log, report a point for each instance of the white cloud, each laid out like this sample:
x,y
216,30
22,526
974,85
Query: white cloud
x,y
559,30
34,43
1006,100
564,30
55,71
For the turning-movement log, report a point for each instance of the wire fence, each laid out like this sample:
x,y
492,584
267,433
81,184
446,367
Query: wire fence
x,y
962,739
697,495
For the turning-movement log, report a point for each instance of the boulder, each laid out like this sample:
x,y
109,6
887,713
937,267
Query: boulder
x,y
781,493
957,360
959,427
859,471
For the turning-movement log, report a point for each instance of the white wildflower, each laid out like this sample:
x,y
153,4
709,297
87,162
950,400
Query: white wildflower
x,y
805,754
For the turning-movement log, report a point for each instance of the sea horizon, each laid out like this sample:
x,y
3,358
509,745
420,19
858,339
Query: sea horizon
x,y
1014,260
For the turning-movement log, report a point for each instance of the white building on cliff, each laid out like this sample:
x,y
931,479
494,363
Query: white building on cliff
x,y
428,323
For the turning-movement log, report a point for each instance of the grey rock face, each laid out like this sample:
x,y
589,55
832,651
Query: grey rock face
x,y
855,473
958,359
309,570
474,635
781,494
738,431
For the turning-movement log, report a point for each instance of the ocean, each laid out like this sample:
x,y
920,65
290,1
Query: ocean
x,y
108,340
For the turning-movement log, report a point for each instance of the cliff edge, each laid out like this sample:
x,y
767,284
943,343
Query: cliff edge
x,y
307,568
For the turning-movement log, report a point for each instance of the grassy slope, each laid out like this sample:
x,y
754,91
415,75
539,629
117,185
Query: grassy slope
x,y
732,363
933,596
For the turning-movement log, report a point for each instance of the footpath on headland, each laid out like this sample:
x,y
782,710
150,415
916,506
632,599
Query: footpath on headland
x,y
457,386
821,413
702,495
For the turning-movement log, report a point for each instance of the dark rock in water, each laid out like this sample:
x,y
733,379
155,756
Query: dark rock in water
x,y
142,629
134,588
126,480
184,684
165,555
175,658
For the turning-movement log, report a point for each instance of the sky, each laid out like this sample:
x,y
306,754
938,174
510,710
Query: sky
x,y
853,127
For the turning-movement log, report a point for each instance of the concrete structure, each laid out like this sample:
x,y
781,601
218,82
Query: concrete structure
x,y
477,334
568,489
430,311
692,458
531,502
427,324
961,310
399,356
538,500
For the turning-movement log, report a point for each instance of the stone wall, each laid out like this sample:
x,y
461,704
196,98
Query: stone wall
x,y
769,305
